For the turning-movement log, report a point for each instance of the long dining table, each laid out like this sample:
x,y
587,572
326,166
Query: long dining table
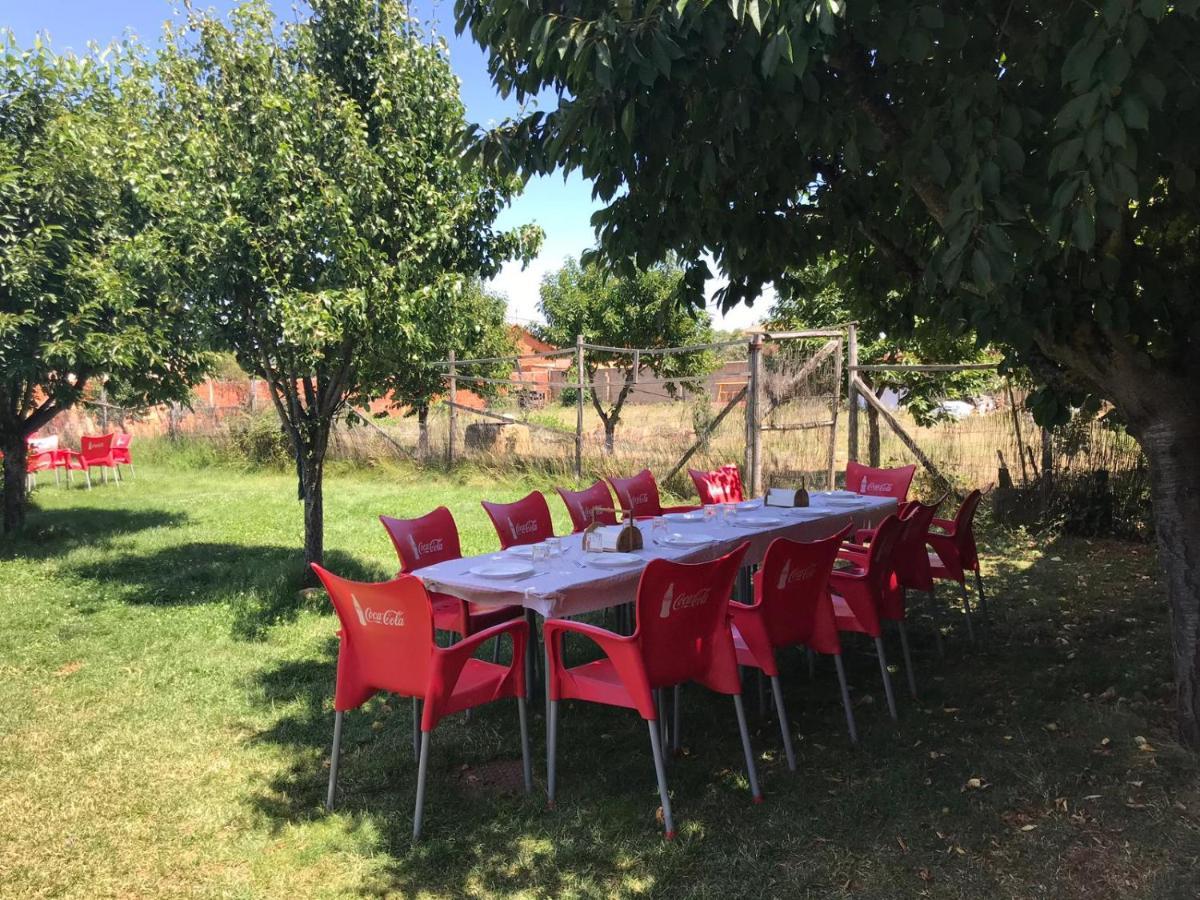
x,y
575,581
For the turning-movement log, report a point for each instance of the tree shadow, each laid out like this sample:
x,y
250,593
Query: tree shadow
x,y
264,585
56,532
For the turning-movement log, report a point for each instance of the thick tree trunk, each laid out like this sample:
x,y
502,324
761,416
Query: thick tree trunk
x,y
311,472
423,432
14,484
610,439
1171,440
873,455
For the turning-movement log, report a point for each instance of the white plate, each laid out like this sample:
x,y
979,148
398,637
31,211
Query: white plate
x,y
750,504
841,494
694,516
503,569
845,501
525,551
613,560
687,540
759,520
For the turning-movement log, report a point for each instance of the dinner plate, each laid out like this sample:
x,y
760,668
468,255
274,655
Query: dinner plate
x,y
749,504
845,501
525,551
758,520
677,539
613,560
694,516
503,569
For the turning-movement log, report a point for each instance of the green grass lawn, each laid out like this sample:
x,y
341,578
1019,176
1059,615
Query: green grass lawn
x,y
167,715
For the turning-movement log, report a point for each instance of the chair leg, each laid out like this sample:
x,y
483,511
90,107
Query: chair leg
x,y
676,741
660,773
751,772
57,479
416,717
660,701
87,474
422,771
908,666
526,762
966,598
982,597
552,750
887,678
784,727
935,614
131,472
841,674
333,758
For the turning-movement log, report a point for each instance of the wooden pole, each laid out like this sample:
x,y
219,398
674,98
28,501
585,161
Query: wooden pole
x,y
753,417
453,388
852,393
712,426
579,409
904,436
834,404
1012,403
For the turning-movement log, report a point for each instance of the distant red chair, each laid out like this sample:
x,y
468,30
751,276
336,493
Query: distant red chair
x,y
386,644
681,634
594,503
722,485
791,607
433,538
859,594
527,521
97,450
639,494
871,482
35,462
955,552
120,450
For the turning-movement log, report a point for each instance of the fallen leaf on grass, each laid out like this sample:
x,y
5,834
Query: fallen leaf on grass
x,y
69,669
1028,827
900,841
925,875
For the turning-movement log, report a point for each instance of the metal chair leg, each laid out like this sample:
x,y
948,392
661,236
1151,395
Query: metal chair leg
x,y
983,609
887,678
416,717
841,674
660,773
784,727
422,771
751,772
966,598
908,666
552,751
333,758
660,702
935,614
526,762
676,741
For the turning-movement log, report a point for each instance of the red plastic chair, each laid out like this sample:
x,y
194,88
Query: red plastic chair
x,y
681,634
430,539
791,607
120,450
594,503
639,494
723,485
526,521
35,462
879,482
386,644
861,592
955,552
98,451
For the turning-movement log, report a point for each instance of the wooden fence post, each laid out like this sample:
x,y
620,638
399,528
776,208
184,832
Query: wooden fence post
x,y
905,437
453,389
834,404
852,393
579,410
753,421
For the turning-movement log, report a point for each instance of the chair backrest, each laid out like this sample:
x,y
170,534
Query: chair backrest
x,y
722,485
964,529
639,494
683,621
121,440
431,538
525,522
881,556
592,503
879,482
386,637
911,557
42,444
795,586
92,446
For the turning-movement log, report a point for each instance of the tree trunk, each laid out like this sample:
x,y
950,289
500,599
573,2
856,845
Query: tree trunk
x,y
610,431
311,472
15,453
1170,440
423,432
873,436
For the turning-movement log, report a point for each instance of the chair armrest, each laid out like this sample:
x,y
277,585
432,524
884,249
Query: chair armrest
x,y
854,549
449,661
622,649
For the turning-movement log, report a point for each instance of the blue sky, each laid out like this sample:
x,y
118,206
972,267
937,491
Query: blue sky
x,y
562,208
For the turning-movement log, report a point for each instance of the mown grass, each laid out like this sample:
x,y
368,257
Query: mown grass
x,y
167,716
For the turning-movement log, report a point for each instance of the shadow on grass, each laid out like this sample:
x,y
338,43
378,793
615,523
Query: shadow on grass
x,y
264,585
56,532
1011,775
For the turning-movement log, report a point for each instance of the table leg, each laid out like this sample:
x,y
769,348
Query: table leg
x,y
531,650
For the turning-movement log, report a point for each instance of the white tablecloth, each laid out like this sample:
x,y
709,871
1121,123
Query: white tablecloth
x,y
572,584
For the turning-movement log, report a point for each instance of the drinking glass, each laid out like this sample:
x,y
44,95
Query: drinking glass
x,y
541,553
710,512
658,529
